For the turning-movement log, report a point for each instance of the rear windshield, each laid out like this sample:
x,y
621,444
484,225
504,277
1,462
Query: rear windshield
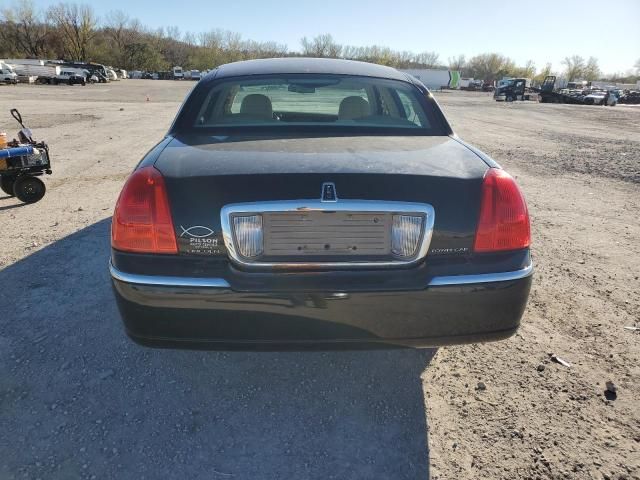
x,y
337,102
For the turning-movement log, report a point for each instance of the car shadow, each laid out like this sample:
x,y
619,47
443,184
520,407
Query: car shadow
x,y
78,398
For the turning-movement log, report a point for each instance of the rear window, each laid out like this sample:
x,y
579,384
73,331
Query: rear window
x,y
338,102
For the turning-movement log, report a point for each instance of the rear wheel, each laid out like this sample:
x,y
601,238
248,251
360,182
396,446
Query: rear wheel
x,y
509,98
6,184
29,189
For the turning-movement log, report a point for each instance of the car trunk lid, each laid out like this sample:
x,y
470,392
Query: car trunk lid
x,y
204,173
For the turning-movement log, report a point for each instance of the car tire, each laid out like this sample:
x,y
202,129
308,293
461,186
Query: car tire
x,y
509,98
6,185
29,189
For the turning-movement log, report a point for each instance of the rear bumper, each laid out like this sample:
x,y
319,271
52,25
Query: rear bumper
x,y
207,313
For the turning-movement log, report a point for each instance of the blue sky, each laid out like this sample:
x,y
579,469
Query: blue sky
x,y
543,31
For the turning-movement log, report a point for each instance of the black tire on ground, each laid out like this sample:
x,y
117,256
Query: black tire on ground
x,y
29,189
509,98
6,184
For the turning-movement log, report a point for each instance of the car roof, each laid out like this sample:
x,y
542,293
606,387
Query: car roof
x,y
294,65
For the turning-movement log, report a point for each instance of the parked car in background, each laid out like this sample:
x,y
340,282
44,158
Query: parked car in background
x,y
314,202
177,73
70,77
196,75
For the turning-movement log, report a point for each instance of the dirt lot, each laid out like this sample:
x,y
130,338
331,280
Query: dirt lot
x,y
79,400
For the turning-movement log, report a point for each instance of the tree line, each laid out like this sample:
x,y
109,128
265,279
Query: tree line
x,y
73,31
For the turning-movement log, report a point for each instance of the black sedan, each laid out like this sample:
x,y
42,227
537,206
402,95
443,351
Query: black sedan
x,y
300,203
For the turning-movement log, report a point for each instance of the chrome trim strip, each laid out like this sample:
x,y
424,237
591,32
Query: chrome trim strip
x,y
338,206
194,282
481,277
163,281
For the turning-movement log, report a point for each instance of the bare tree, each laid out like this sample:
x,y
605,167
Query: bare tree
x,y
173,32
457,63
77,27
175,51
428,59
529,69
575,67
544,73
490,66
321,46
122,32
592,70
24,29
212,39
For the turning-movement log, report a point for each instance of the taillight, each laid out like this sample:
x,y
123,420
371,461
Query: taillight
x,y
142,219
504,219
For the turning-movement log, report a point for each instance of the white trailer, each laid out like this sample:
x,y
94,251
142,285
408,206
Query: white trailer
x,y
42,72
466,82
34,68
25,61
177,73
435,79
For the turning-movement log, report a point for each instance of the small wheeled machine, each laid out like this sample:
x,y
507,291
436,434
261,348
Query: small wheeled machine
x,y
22,161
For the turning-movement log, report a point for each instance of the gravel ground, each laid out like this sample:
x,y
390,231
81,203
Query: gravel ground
x,y
537,419
79,400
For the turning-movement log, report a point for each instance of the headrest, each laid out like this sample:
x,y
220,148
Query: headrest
x,y
353,107
257,105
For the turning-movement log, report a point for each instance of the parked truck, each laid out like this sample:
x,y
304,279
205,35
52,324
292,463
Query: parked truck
x,y
511,89
583,95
